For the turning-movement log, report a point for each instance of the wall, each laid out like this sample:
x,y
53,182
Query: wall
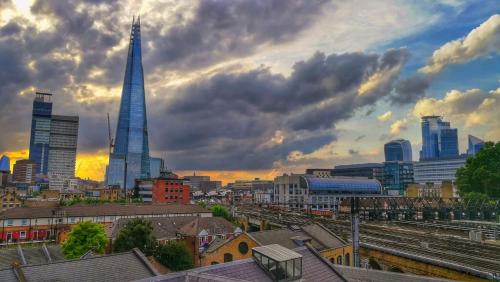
x,y
332,254
231,246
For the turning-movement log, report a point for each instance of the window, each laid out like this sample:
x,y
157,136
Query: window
x,y
347,259
22,234
339,260
228,257
10,222
243,247
24,221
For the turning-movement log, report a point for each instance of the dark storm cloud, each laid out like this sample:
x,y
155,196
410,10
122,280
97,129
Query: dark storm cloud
x,y
410,90
231,119
230,28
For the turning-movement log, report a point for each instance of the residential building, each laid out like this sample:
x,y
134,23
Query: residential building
x,y
368,170
475,144
397,176
164,189
320,172
398,150
129,159
62,151
438,170
40,131
157,165
48,223
438,138
24,171
445,190
9,198
106,194
194,181
48,264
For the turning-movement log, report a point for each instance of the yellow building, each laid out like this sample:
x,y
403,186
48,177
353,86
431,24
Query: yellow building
x,y
235,248
444,190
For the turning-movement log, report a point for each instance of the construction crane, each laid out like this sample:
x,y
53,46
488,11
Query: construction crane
x,y
110,139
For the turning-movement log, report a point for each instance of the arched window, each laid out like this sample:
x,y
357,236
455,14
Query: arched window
x,y
347,259
228,257
339,260
243,247
332,260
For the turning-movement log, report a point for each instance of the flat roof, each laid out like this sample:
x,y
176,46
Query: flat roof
x,y
277,252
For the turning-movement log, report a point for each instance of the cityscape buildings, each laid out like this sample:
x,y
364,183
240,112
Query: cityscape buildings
x,y
438,170
368,170
157,165
24,171
438,138
40,131
475,144
168,188
194,181
397,176
398,150
129,159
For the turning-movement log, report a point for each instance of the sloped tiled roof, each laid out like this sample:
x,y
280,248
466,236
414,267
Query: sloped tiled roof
x,y
127,266
213,225
362,275
32,255
163,227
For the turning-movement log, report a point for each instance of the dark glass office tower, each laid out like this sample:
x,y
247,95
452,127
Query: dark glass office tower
x,y
40,131
129,159
398,150
438,139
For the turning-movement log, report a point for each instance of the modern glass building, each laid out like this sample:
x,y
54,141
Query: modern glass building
x,y
40,131
438,170
438,139
368,170
398,150
157,165
397,176
129,159
475,144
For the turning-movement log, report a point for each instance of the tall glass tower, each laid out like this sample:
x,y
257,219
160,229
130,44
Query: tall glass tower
x,y
129,159
40,131
438,139
398,150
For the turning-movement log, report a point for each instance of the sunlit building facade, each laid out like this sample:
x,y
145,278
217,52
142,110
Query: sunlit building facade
x,y
129,159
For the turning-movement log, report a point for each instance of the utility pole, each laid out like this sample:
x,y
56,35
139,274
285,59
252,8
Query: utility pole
x,y
355,230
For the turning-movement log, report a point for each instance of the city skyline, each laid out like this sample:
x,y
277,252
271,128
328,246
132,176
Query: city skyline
x,y
327,84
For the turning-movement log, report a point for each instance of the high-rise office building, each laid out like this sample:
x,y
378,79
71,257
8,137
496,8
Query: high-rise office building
x,y
24,171
475,144
157,165
397,176
129,159
40,131
398,150
369,170
62,150
438,139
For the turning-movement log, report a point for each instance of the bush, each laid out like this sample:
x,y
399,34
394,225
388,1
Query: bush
x,y
175,255
85,236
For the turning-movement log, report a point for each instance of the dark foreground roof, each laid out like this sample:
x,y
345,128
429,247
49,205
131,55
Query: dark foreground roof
x,y
35,254
314,269
127,266
104,210
362,274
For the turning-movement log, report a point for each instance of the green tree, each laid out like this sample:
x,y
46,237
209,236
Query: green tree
x,y
220,211
137,233
85,236
481,173
175,255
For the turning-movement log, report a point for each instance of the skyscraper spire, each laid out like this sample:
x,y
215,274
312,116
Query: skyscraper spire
x,y
130,157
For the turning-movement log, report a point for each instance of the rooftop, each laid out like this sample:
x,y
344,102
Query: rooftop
x,y
363,165
277,252
103,210
344,185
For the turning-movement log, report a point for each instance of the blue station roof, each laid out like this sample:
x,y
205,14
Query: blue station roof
x,y
343,185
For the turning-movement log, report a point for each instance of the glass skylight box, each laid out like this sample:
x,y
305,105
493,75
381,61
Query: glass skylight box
x,y
280,263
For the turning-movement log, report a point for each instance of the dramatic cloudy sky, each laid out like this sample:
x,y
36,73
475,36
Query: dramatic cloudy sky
x,y
241,89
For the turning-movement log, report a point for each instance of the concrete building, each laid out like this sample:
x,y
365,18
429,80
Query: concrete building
x,y
320,172
164,189
289,191
368,170
437,170
24,171
209,186
62,151
194,181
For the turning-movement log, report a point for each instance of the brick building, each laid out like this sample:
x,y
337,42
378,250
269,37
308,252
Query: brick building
x,y
164,189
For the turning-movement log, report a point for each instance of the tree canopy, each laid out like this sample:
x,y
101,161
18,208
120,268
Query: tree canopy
x,y
85,236
220,211
175,255
137,233
481,173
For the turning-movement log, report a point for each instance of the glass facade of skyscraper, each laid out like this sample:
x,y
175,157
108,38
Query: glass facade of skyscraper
x,y
398,150
397,176
438,139
475,144
130,157
40,131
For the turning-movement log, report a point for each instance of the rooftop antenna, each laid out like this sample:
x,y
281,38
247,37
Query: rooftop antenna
x,y
110,139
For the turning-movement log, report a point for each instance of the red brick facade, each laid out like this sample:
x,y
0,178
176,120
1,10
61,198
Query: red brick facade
x,y
170,190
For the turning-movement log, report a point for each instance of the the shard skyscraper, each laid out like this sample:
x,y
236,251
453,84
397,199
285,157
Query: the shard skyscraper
x,y
129,158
